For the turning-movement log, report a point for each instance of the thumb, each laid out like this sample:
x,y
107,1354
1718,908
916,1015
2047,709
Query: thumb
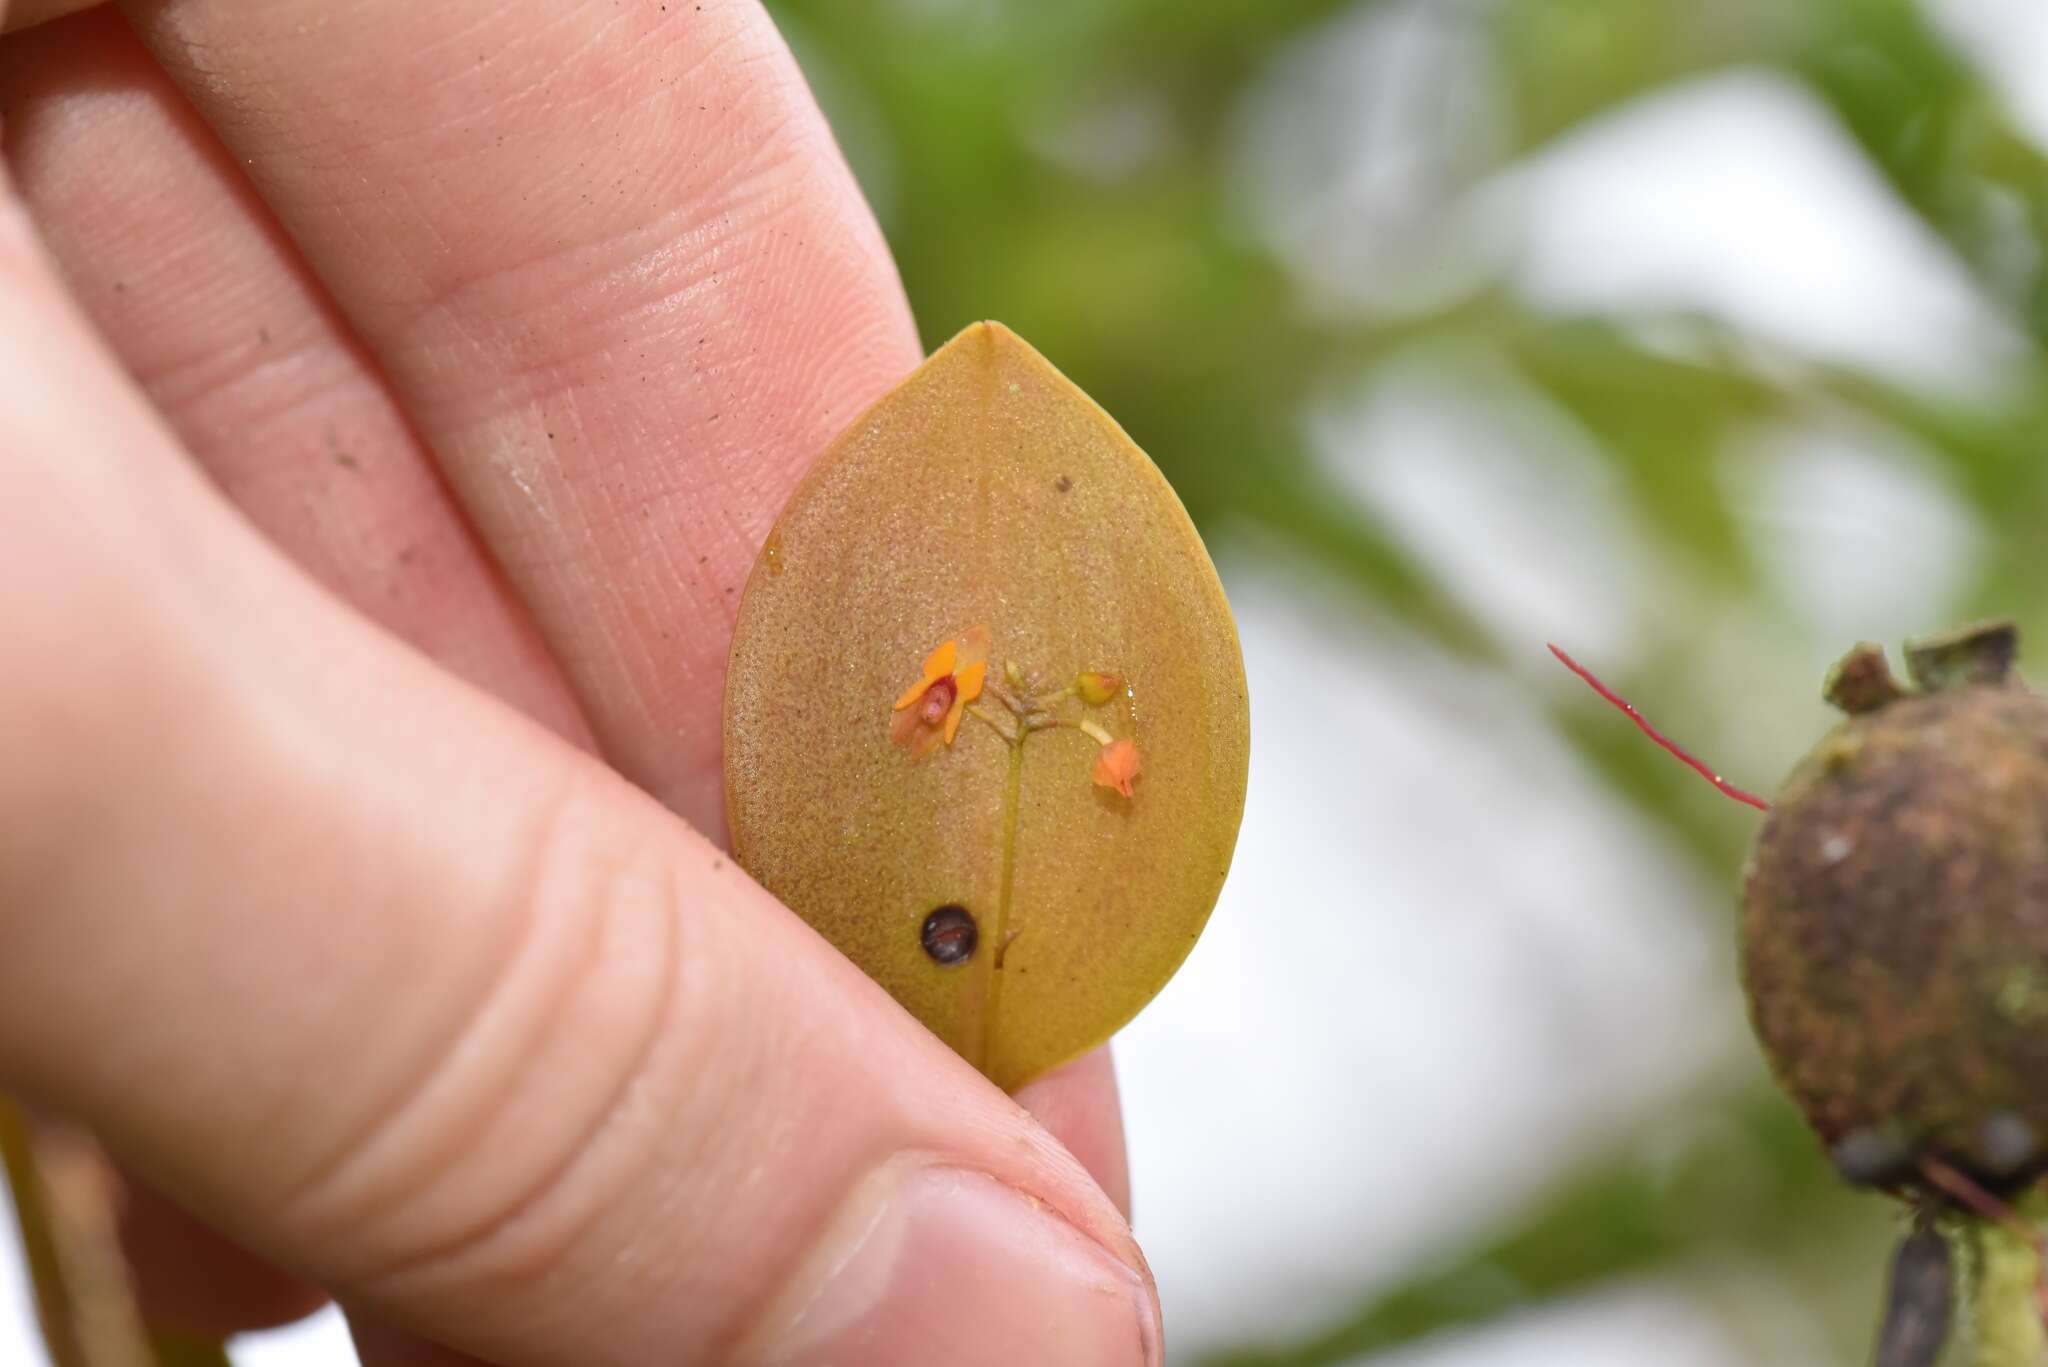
x,y
404,993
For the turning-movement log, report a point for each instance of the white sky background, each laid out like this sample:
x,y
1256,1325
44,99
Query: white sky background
x,y
1440,931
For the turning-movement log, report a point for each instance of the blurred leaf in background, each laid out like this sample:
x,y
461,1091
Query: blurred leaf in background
x,y
1257,229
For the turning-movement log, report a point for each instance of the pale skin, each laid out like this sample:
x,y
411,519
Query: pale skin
x,y
392,400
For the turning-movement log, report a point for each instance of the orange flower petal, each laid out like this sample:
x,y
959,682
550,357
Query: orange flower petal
x,y
973,644
937,666
970,680
953,715
1116,765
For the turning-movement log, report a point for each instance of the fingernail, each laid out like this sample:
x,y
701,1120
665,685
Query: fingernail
x,y
941,1265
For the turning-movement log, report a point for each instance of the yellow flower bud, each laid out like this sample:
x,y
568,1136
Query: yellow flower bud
x,y
1096,688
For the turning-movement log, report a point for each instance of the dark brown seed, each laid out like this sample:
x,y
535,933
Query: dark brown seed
x,y
949,935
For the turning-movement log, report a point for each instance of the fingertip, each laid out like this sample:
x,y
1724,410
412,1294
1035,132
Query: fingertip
x,y
1078,1104
932,1265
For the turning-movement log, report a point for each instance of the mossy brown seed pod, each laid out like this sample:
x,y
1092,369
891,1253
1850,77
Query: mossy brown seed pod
x,y
1894,937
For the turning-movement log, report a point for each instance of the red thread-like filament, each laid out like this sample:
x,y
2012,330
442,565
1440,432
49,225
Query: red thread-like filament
x,y
1684,756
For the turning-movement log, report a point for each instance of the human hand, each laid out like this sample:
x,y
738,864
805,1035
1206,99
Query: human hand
x,y
469,350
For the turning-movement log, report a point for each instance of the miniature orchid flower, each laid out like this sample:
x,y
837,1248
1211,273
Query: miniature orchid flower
x,y
929,711
1116,765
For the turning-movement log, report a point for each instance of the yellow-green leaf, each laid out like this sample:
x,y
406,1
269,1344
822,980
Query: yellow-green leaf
x,y
987,492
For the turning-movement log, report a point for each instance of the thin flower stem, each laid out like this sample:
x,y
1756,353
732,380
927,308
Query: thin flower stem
x,y
62,1190
1001,931
40,1242
1005,697
1001,726
1966,1192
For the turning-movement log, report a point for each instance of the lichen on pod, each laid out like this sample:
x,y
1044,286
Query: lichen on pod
x,y
1894,933
985,718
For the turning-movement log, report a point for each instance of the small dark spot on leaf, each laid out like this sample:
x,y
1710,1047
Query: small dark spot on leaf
x,y
346,461
1063,484
949,935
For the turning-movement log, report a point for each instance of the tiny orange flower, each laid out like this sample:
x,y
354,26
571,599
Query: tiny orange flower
x,y
1116,765
929,711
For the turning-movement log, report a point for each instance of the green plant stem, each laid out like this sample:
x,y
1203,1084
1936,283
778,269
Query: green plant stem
x,y
84,1298
2004,1307
1001,932
54,1311
182,1352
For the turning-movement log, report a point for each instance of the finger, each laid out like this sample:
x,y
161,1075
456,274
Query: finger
x,y
1078,1104
211,311
404,992
24,14
379,1344
1068,1102
616,266
192,1282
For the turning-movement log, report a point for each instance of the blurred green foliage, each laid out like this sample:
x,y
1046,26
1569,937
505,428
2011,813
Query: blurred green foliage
x,y
1146,286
